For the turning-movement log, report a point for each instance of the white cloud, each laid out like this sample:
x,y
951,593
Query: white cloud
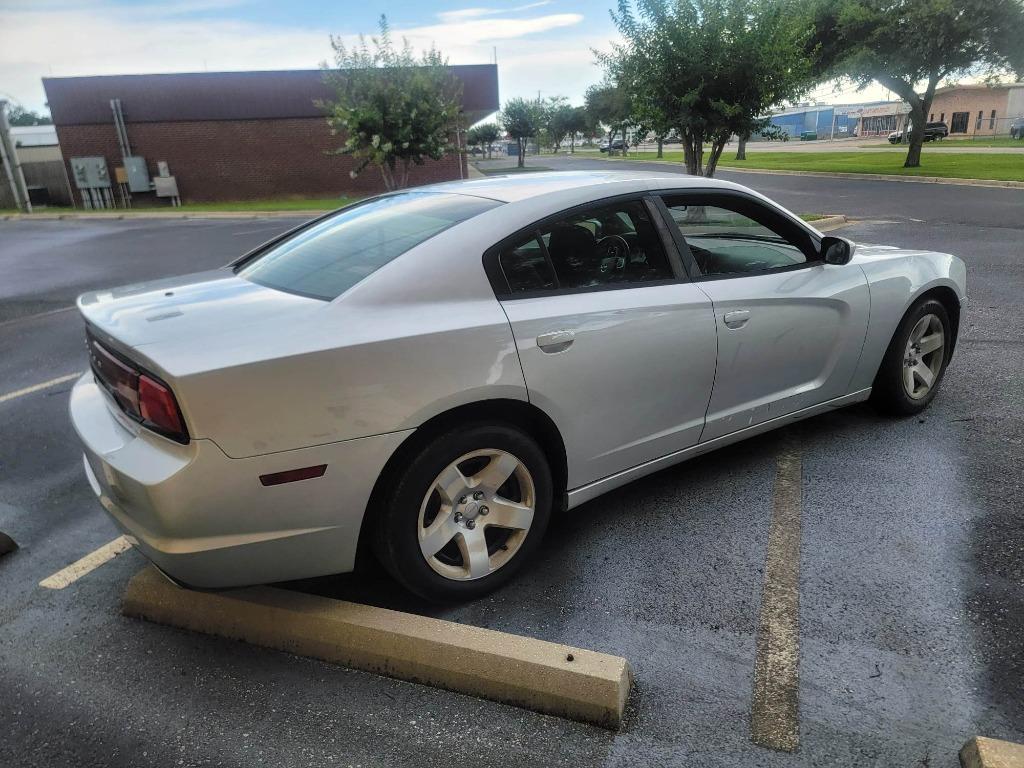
x,y
474,13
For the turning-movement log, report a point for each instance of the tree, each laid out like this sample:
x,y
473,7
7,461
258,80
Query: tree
x,y
393,109
488,133
522,120
710,68
18,115
559,118
905,45
578,122
610,105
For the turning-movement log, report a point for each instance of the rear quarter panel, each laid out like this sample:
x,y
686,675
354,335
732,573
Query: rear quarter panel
x,y
421,335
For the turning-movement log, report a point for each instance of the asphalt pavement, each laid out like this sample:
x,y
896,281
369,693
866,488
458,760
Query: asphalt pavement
x,y
911,604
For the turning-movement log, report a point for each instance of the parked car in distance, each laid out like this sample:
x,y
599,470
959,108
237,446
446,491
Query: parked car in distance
x,y
932,132
1017,128
617,145
431,374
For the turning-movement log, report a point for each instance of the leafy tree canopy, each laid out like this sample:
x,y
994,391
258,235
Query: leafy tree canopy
x,y
522,120
392,108
709,68
911,46
18,115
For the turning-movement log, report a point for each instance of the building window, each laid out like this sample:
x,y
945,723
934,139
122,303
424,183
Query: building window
x,y
942,117
960,120
931,118
992,121
981,116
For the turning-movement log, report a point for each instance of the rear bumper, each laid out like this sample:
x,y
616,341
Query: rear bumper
x,y
206,520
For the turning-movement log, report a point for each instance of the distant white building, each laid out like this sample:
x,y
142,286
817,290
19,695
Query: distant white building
x,y
34,135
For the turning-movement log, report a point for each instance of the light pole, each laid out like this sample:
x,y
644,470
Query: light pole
x,y
9,158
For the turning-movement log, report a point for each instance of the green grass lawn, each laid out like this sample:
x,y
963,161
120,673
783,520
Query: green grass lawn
x,y
235,206
954,144
512,169
995,166
282,204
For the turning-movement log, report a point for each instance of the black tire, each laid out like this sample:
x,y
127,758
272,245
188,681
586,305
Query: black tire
x,y
889,394
396,539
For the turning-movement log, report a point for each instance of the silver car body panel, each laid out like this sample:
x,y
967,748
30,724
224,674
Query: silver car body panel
x,y
633,385
268,381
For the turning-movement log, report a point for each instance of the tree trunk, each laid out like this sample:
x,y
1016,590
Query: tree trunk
x,y
661,143
522,151
741,150
387,172
716,152
693,150
572,144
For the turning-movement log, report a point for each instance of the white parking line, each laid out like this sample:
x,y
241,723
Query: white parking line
x,y
87,564
37,387
775,720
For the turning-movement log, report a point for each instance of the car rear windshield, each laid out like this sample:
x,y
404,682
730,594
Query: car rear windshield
x,y
327,258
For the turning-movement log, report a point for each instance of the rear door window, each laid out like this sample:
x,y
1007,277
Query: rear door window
x,y
325,259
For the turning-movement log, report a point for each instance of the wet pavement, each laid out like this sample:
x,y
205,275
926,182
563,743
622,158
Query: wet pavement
x,y
911,578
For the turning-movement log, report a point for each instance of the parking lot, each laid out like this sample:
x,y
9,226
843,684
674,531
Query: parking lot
x,y
911,581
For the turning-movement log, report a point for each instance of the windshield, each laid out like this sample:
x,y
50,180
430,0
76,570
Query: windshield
x,y
327,258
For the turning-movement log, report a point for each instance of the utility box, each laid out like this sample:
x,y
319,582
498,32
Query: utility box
x,y
166,186
138,173
90,172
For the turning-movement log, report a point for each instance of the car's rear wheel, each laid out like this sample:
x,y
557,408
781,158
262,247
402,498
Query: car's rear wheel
x,y
466,511
915,361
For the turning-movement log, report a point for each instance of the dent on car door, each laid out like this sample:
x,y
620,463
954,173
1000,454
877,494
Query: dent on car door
x,y
790,327
615,346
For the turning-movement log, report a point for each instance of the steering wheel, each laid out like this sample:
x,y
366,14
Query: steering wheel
x,y
612,247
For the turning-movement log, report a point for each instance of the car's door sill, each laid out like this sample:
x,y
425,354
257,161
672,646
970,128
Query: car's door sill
x,y
598,487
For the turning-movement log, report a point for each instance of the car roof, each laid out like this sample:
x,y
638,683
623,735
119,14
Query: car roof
x,y
530,185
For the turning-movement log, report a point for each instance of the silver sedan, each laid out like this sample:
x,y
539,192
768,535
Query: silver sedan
x,y
429,374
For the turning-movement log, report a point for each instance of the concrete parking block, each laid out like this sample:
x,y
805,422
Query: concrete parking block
x,y
982,752
526,672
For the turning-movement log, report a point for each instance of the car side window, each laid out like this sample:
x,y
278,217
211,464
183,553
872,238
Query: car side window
x,y
727,242
601,246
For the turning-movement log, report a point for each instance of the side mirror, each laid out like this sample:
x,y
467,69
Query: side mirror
x,y
836,250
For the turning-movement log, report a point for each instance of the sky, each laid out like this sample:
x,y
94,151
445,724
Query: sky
x,y
541,46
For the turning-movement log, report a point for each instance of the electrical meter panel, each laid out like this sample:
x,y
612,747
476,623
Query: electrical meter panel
x,y
90,172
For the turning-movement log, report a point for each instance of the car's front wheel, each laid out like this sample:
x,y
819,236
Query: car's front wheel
x,y
915,361
466,511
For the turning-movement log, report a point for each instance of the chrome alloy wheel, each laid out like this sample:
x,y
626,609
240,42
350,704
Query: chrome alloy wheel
x,y
476,514
922,360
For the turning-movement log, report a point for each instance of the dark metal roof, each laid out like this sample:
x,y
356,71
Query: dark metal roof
x,y
224,95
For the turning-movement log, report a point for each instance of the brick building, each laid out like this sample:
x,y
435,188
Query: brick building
x,y
978,110
233,135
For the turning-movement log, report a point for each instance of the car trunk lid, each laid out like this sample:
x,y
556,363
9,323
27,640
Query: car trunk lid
x,y
197,306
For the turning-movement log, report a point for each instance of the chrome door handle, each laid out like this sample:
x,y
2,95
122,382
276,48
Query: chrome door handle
x,y
556,341
736,319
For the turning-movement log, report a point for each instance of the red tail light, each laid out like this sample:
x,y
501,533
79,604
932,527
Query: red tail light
x,y
158,407
141,396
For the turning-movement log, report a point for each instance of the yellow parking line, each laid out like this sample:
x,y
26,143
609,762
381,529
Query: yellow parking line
x,y
37,387
87,564
774,720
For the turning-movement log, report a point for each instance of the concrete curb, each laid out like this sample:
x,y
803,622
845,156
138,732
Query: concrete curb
x,y
828,223
885,177
126,215
534,674
982,752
